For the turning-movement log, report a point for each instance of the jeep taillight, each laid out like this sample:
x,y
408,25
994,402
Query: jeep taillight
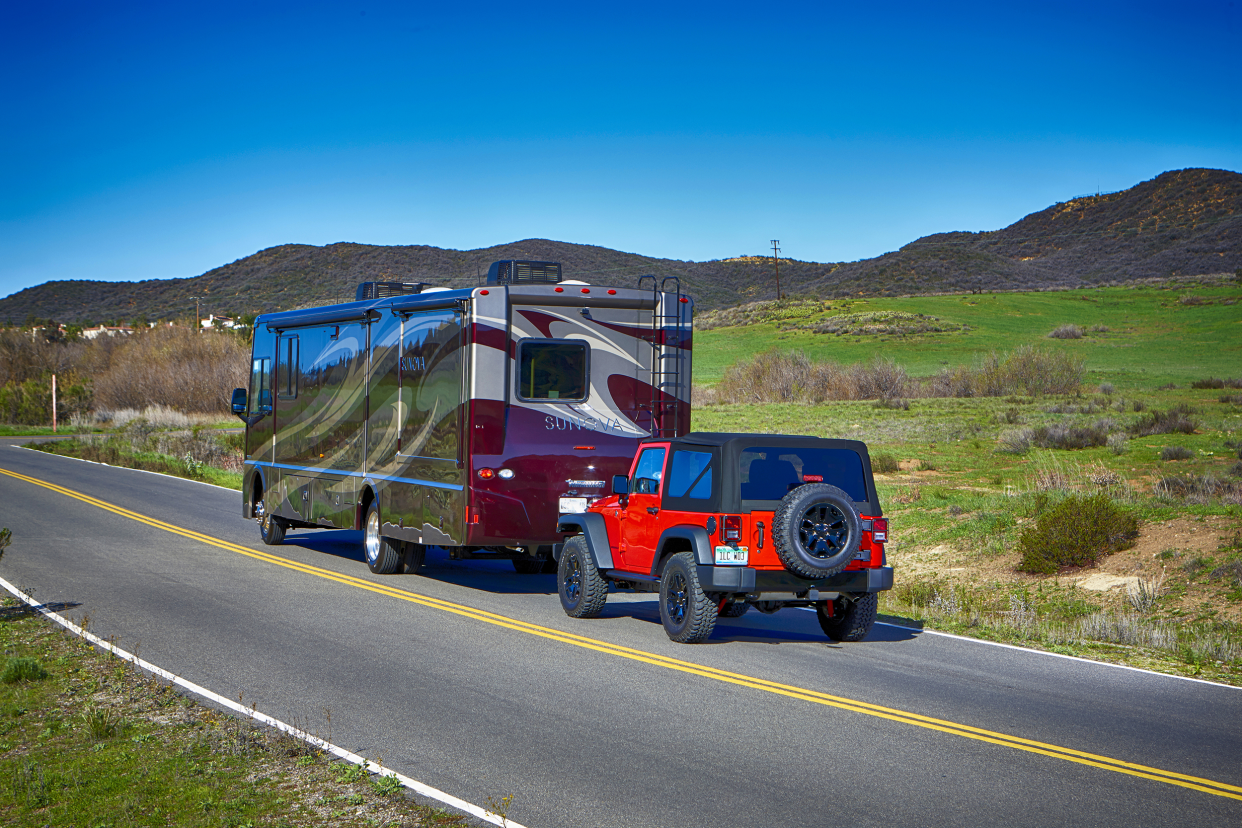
x,y
732,527
879,530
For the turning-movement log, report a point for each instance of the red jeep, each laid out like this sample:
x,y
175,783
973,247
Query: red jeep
x,y
718,522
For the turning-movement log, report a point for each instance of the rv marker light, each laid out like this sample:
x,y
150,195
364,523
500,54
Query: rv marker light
x,y
586,290
482,292
487,474
505,474
612,293
559,290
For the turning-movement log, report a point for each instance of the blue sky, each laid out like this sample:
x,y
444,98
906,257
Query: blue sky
x,y
162,140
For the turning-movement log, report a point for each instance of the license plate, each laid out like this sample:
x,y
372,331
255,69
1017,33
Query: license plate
x,y
573,505
733,555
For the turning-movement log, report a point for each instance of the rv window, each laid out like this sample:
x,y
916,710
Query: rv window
x,y
287,368
261,387
552,369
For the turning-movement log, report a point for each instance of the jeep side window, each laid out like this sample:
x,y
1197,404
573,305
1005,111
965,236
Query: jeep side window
x,y
690,475
649,471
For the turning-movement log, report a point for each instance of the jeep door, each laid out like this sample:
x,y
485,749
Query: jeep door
x,y
640,522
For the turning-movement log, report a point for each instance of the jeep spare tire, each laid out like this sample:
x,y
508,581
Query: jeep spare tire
x,y
816,530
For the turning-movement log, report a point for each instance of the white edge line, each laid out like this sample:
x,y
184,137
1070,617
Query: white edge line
x,y
127,468
1059,655
252,713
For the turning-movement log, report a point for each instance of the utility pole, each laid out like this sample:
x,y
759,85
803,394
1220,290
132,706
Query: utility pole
x,y
776,260
198,328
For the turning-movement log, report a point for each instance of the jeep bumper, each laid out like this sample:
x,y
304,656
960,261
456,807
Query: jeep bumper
x,y
745,579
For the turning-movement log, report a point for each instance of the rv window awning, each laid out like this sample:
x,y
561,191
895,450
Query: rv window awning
x,y
354,311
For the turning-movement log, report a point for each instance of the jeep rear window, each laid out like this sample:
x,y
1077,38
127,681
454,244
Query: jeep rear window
x,y
690,475
770,473
552,369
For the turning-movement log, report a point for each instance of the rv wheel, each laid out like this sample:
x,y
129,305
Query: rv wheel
x,y
383,555
414,555
271,528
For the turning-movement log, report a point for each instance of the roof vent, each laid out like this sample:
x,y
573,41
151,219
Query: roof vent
x,y
383,290
515,272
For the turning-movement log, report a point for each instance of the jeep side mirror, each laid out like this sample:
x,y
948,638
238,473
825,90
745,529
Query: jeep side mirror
x,y
239,402
620,484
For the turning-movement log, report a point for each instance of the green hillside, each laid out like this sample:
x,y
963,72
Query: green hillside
x,y
1154,334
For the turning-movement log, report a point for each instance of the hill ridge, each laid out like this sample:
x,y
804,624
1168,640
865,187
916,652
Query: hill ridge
x,y
1180,223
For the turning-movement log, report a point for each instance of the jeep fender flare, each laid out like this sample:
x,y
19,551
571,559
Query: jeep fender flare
x,y
700,544
593,530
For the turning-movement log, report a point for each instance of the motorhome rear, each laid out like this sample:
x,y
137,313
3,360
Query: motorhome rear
x,y
467,419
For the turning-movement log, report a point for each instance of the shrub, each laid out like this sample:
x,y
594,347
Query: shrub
x,y
22,669
1236,469
1210,382
1176,420
893,404
884,464
1107,388
1197,488
1016,441
1072,437
1118,443
1067,332
1176,453
1231,571
1099,329
1079,531
1235,399
173,367
1027,370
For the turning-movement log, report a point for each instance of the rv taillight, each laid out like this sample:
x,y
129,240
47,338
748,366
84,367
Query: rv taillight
x,y
732,527
879,530
812,478
487,474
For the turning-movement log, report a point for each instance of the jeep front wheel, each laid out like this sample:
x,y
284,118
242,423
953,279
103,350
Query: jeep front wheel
x,y
850,620
688,614
816,530
582,589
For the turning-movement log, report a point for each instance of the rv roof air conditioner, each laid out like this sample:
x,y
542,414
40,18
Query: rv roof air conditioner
x,y
520,272
383,290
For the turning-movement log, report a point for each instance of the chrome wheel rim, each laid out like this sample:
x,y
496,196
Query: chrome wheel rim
x,y
372,536
823,530
677,599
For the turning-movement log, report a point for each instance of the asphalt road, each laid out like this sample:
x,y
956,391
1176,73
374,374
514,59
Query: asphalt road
x,y
470,678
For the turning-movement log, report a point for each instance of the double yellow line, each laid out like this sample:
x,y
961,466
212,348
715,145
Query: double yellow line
x,y
944,726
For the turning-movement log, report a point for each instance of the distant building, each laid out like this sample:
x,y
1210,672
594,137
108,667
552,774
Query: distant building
x,y
213,321
107,330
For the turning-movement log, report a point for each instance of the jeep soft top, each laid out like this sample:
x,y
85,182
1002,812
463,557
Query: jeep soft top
x,y
720,522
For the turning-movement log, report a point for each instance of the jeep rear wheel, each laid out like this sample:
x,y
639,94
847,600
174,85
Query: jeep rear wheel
x,y
688,614
582,589
851,620
816,530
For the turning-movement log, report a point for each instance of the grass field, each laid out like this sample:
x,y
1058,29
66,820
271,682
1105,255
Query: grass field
x,y
1155,336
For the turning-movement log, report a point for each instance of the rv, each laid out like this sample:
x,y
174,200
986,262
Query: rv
x,y
466,419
